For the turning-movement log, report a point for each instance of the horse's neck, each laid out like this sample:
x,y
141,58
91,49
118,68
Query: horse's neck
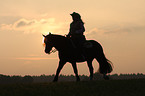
x,y
61,43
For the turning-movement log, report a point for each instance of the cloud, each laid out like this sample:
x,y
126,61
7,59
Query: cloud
x,y
37,26
96,33
115,30
118,32
6,27
46,25
36,58
24,22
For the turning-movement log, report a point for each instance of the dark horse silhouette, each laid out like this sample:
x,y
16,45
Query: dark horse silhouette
x,y
67,53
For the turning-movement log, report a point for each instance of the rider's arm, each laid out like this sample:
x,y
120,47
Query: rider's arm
x,y
69,31
81,29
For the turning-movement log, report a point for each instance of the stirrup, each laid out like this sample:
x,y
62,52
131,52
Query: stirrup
x,y
83,57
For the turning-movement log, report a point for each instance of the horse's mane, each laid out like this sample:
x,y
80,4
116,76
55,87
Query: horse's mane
x,y
61,40
56,36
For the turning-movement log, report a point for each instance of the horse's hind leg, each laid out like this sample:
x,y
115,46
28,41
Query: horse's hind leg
x,y
105,77
90,68
75,71
61,64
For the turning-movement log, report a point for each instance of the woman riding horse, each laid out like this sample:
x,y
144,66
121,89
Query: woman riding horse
x,y
68,53
76,33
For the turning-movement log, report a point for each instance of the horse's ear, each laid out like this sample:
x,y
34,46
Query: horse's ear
x,y
43,35
49,33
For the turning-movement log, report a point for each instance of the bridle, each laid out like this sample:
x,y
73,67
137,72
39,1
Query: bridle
x,y
52,51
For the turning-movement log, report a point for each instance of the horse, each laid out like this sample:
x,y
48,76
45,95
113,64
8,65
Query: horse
x,y
68,53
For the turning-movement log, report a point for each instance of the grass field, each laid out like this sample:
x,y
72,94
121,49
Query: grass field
x,y
83,88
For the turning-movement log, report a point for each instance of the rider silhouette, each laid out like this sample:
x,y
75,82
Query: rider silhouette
x,y
76,31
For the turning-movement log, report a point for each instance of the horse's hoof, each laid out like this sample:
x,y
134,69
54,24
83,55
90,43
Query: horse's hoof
x,y
106,77
91,79
55,80
78,79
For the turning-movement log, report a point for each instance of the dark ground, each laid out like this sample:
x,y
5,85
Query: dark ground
x,y
133,87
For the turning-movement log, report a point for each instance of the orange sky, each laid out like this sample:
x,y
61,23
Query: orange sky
x,y
118,25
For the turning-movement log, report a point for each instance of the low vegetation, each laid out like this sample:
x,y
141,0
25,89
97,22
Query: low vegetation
x,y
134,87
118,85
6,79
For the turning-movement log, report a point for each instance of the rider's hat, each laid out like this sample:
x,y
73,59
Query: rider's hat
x,y
74,14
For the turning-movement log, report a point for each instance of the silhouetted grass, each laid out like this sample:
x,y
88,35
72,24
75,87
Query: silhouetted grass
x,y
84,88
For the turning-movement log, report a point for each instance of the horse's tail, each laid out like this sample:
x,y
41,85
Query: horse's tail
x,y
105,65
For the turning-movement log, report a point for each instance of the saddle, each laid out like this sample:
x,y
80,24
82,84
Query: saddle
x,y
87,44
81,54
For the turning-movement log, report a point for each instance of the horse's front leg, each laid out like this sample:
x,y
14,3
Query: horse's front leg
x,y
75,71
105,77
90,68
60,66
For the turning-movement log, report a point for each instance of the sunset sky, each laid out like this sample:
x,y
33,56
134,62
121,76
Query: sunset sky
x,y
119,25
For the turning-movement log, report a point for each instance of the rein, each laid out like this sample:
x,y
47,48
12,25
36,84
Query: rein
x,y
52,51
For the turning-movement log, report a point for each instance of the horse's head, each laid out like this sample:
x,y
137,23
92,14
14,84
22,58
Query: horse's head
x,y
48,43
53,40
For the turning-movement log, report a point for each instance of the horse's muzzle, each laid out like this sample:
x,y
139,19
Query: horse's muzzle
x,y
46,51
